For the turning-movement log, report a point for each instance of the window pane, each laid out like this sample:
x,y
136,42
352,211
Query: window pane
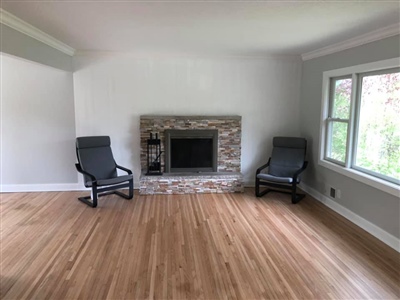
x,y
341,98
337,144
378,144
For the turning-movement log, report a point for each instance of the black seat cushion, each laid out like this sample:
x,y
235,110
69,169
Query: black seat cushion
x,y
287,156
276,179
110,181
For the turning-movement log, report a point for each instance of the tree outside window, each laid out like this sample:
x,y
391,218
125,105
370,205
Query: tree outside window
x,y
374,143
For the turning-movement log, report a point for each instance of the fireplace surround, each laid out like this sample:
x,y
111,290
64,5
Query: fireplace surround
x,y
223,177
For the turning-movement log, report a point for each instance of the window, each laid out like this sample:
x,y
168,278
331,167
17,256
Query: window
x,y
360,132
338,119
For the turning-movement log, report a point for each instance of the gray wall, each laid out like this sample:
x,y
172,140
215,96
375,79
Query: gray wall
x,y
37,115
380,208
18,44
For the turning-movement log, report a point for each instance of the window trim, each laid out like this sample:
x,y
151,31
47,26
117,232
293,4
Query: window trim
x,y
347,169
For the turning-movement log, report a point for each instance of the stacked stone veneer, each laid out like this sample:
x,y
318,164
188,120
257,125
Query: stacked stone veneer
x,y
229,155
193,184
229,136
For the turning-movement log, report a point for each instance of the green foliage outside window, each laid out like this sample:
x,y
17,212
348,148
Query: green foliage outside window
x,y
378,147
338,143
340,109
378,143
342,98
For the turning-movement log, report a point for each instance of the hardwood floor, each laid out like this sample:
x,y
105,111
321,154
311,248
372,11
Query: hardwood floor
x,y
213,246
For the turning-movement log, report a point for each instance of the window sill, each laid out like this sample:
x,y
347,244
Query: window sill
x,y
377,183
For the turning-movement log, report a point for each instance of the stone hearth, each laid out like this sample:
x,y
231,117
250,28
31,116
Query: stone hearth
x,y
227,179
229,182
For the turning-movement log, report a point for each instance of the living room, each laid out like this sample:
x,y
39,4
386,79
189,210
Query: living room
x,y
72,69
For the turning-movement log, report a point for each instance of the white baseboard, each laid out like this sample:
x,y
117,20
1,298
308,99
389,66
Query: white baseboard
x,y
52,187
376,231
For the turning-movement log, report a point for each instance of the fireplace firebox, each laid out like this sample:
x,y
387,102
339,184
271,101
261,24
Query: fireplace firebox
x,y
191,151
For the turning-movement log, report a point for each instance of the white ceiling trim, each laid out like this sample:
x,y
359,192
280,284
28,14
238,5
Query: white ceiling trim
x,y
372,36
16,23
147,54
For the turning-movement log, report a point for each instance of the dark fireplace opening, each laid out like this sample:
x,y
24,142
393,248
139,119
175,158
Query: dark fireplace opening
x,y
191,151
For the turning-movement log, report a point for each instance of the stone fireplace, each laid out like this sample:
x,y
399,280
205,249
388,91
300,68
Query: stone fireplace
x,y
218,171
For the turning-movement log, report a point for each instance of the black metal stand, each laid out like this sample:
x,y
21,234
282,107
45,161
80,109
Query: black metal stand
x,y
154,156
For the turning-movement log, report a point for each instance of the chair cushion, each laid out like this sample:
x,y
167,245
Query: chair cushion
x,y
276,179
111,181
289,142
92,141
287,156
95,156
286,161
98,161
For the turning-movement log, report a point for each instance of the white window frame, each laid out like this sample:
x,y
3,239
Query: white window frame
x,y
347,168
331,120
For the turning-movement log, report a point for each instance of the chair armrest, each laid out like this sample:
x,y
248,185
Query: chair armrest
x,y
124,169
299,171
263,166
79,169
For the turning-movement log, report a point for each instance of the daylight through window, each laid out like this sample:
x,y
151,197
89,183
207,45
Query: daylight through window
x,y
362,122
378,131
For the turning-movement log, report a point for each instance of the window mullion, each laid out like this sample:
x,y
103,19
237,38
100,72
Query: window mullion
x,y
328,139
338,120
328,124
352,119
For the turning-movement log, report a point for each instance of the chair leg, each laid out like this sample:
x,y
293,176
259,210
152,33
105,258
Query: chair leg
x,y
264,192
296,197
121,194
130,191
87,200
92,199
257,189
94,195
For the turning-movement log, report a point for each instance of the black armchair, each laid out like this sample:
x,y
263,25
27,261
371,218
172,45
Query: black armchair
x,y
285,165
99,169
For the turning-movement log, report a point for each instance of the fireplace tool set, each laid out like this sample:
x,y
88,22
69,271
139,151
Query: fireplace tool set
x,y
154,155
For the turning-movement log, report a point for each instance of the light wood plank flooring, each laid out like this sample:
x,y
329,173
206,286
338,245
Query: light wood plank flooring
x,y
214,246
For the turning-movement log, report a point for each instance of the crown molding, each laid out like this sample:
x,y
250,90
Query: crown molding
x,y
372,36
184,55
16,23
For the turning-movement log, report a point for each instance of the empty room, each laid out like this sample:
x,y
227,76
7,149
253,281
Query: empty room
x,y
199,149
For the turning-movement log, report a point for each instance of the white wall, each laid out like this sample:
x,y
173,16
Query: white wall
x,y
112,91
38,126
